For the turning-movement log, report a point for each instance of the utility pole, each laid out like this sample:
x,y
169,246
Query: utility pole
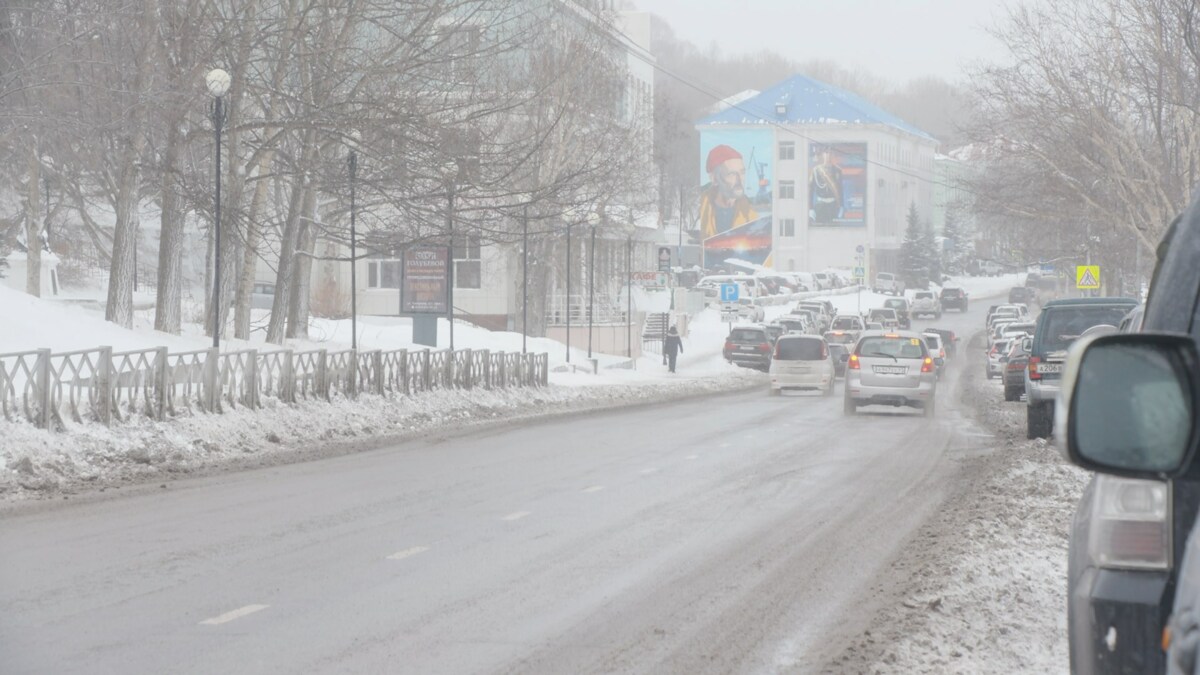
x,y
450,256
568,303
353,160
591,289
629,297
524,279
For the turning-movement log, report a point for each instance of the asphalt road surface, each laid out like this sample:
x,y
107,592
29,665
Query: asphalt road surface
x,y
736,533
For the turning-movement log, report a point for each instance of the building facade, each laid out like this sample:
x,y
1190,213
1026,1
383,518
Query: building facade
x,y
800,176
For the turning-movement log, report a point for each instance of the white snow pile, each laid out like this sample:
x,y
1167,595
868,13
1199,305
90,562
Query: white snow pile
x,y
985,585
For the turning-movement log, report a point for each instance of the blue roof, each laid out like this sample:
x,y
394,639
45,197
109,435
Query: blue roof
x,y
809,101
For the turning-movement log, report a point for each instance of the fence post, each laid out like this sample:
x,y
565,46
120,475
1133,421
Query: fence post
x,y
322,381
427,372
104,386
43,389
162,374
250,382
467,377
287,378
486,372
352,376
377,366
545,359
502,357
405,387
212,390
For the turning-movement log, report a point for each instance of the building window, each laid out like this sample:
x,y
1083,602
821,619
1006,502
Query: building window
x,y
787,150
787,189
787,227
468,267
383,273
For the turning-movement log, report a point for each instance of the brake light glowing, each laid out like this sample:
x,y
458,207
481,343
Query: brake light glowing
x,y
853,363
890,335
764,347
1033,371
927,365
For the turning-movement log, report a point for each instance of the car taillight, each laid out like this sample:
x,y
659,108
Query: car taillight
x,y
764,347
1130,524
927,365
852,363
728,345
1033,371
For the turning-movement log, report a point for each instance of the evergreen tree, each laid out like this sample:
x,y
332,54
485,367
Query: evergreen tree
x,y
3,266
933,254
951,261
914,259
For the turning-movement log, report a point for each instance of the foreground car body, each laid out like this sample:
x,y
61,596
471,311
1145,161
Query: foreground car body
x,y
748,346
892,369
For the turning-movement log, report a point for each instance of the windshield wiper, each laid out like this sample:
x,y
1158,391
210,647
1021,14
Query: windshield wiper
x,y
892,357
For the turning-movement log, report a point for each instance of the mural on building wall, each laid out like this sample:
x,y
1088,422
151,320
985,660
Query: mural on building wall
x,y
837,184
735,202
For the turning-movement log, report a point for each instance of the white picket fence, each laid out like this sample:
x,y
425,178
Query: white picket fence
x,y
99,385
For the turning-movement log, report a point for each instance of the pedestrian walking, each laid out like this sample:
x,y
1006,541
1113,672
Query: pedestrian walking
x,y
672,347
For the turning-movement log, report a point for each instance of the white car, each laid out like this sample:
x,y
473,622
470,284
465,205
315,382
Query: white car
x,y
801,362
995,367
750,311
925,303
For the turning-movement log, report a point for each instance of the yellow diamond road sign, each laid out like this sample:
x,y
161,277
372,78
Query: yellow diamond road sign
x,y
1087,277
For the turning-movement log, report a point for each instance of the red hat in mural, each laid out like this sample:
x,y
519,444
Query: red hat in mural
x,y
719,155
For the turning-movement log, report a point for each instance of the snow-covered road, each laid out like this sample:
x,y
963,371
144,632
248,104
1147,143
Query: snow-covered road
x,y
726,534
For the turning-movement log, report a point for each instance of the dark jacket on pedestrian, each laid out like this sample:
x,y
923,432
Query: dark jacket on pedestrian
x,y
673,344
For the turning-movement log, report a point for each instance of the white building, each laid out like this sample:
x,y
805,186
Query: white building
x,y
881,165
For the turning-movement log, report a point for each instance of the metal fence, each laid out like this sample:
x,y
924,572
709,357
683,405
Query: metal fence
x,y
100,385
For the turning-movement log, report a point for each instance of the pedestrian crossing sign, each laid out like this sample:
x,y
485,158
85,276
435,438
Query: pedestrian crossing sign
x,y
1087,277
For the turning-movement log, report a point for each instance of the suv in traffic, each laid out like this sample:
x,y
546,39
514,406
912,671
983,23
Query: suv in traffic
x,y
749,347
892,369
903,313
953,297
1058,326
886,282
885,317
925,303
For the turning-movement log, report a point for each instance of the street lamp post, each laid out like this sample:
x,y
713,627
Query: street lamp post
x,y
524,279
353,161
591,286
629,297
568,305
217,82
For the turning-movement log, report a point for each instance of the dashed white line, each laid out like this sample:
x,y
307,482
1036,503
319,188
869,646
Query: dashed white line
x,y
724,445
408,553
693,456
594,488
235,614
649,470
515,516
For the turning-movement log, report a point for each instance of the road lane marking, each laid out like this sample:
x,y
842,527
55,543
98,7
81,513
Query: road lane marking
x,y
594,488
649,470
515,516
693,456
235,614
408,553
724,445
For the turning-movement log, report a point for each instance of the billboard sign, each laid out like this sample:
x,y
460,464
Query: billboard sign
x,y
664,258
425,288
736,169
837,184
650,279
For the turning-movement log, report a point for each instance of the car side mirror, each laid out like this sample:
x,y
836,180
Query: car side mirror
x,y
1129,404
1027,345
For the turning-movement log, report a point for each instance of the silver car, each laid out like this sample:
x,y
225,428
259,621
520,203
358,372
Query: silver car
x,y
891,368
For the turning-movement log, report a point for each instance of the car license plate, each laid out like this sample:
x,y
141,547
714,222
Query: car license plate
x,y
747,348
891,370
1049,368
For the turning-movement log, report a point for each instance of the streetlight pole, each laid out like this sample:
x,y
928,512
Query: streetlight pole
x,y
524,279
217,82
591,288
353,159
450,256
629,297
568,305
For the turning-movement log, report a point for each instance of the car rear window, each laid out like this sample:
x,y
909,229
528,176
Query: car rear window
x,y
843,338
747,335
899,347
844,324
885,313
894,303
799,350
951,292
925,295
931,341
1063,325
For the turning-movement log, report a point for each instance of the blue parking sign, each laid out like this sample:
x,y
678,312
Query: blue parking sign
x,y
729,292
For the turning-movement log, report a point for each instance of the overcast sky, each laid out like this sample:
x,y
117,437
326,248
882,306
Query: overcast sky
x,y
894,39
